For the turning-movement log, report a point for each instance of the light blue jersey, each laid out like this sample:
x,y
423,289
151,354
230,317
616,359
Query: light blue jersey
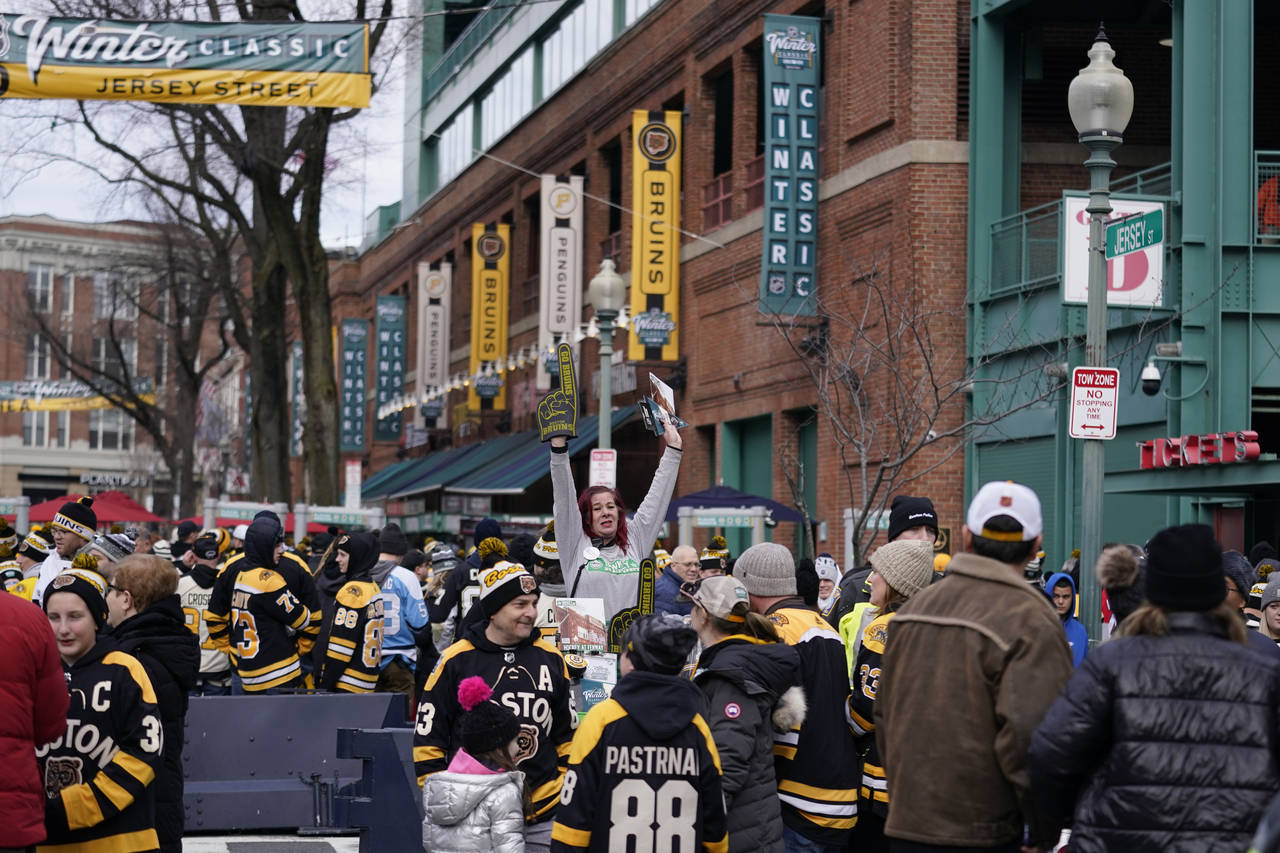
x,y
403,611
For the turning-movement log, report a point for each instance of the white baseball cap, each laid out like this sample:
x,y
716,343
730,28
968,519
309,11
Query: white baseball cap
x,y
1005,497
826,567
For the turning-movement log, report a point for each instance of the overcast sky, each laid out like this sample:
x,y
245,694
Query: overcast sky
x,y
366,173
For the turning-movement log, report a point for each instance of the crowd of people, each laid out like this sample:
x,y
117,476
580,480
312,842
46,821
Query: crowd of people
x,y
761,703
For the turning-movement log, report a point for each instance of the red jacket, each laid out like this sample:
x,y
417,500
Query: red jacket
x,y
33,711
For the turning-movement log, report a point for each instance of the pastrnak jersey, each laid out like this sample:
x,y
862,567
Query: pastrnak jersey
x,y
98,776
643,774
264,615
352,659
531,680
817,764
862,703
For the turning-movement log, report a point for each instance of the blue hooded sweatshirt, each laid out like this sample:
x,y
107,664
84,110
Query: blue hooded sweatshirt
x,y
1077,636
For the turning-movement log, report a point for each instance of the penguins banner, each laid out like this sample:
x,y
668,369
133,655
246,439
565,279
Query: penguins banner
x,y
291,64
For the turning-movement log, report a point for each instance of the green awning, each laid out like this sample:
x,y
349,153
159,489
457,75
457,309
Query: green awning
x,y
526,464
369,488
467,459
416,470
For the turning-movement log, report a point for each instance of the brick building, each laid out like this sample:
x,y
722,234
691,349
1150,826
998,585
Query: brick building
x,y
550,88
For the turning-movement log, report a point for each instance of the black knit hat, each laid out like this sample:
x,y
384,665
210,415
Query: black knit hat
x,y
1184,568
659,643
86,583
37,546
393,541
77,517
486,725
906,512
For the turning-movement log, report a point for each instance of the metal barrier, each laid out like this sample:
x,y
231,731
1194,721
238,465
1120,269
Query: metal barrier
x,y
272,762
386,804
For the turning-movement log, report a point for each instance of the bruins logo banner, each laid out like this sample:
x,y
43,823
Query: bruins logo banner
x,y
302,64
490,274
655,238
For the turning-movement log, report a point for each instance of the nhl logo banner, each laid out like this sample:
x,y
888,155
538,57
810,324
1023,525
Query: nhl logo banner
x,y
435,293
490,275
788,268
296,64
560,221
655,238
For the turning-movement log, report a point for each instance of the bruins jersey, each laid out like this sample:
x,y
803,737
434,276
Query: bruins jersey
x,y
351,660
817,764
862,702
194,600
643,774
98,776
297,575
265,614
531,680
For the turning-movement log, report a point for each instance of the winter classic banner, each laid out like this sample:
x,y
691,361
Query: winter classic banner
x,y
391,356
299,64
355,354
61,395
655,242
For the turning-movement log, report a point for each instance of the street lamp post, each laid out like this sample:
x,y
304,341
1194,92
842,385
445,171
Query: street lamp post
x,y
1100,100
608,294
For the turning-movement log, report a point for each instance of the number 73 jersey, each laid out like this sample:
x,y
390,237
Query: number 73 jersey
x,y
265,617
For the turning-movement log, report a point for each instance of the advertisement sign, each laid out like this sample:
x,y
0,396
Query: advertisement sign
x,y
435,298
490,277
655,240
1135,278
789,263
560,275
355,355
299,400
61,395
292,64
391,356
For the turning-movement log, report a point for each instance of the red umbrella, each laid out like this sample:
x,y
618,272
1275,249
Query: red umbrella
x,y
44,512
117,506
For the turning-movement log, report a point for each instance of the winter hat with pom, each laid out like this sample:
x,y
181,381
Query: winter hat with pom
x,y
77,517
491,551
486,725
545,548
1121,571
715,555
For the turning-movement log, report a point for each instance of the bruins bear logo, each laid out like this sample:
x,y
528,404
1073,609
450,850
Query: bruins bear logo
x,y
61,772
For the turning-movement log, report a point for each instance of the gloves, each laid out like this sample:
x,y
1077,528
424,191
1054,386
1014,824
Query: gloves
x,y
558,411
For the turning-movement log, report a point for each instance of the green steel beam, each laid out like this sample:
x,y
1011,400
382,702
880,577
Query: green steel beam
x,y
1241,480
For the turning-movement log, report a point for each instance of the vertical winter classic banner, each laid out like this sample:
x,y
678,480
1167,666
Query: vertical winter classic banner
x,y
299,400
391,354
655,238
435,293
490,274
788,268
355,355
560,276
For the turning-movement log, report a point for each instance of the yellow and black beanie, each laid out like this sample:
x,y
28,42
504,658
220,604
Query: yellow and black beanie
x,y
86,583
77,517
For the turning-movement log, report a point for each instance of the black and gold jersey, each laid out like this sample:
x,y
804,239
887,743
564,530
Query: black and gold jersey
x,y
265,615
354,649
298,577
643,774
98,776
529,679
862,703
817,764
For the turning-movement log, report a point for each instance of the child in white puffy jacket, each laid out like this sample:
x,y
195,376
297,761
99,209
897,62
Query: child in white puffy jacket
x,y
479,802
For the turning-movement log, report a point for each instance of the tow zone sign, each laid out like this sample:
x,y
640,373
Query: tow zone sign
x,y
1093,402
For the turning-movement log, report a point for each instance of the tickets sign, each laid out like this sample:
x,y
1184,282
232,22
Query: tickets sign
x,y
291,64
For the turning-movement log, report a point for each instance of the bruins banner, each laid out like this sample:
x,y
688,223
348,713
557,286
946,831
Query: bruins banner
x,y
490,273
62,395
301,64
655,242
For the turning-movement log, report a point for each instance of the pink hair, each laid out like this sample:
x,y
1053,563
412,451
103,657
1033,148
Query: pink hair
x,y
584,509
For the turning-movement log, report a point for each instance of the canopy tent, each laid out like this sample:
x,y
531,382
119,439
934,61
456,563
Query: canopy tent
x,y
108,507
724,497
231,523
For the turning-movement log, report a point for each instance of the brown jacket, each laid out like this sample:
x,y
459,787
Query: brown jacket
x,y
971,665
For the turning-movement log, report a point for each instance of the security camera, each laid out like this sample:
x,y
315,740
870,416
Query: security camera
x,y
1151,379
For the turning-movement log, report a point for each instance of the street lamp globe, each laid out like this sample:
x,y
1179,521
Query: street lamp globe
x,y
607,291
1100,98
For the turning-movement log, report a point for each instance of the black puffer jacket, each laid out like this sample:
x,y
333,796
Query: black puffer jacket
x,y
170,654
746,684
1168,744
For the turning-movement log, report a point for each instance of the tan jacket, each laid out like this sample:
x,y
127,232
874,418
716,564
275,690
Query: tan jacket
x,y
971,666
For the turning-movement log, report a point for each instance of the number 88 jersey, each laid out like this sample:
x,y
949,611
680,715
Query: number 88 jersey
x,y
644,774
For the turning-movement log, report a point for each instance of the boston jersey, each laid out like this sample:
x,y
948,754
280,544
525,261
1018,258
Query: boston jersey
x,y
98,776
297,575
265,614
194,600
531,680
354,652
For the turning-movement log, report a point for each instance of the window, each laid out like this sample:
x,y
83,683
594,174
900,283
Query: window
x,y
115,296
69,293
509,101
455,146
37,431
40,287
109,362
580,36
110,429
635,9
37,357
